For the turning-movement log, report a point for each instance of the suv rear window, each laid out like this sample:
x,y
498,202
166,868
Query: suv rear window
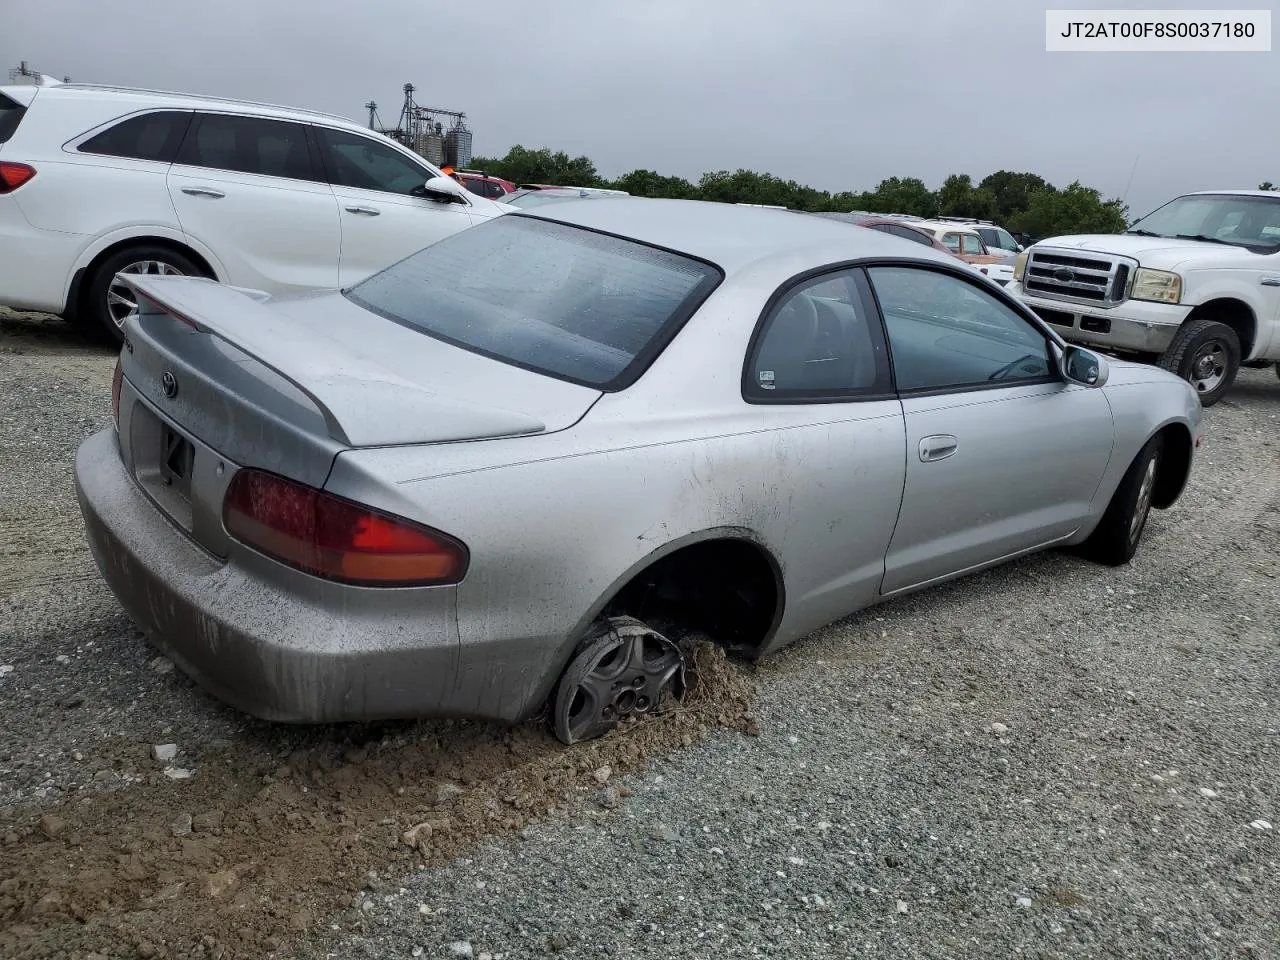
x,y
145,136
570,303
11,113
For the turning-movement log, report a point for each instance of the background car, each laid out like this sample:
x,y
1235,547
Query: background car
x,y
99,182
967,244
484,185
525,198
510,470
898,226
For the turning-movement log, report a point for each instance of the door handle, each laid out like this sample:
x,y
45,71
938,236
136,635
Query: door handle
x,y
203,192
937,447
1271,281
367,211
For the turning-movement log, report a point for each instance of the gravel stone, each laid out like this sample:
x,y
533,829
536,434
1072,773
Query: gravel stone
x,y
876,762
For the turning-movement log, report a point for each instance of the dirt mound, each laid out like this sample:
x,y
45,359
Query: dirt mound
x,y
254,849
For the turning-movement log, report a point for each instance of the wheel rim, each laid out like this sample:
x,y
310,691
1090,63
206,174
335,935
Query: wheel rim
x,y
1143,506
1209,366
121,305
624,675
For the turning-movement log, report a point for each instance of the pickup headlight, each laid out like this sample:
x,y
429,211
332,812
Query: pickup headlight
x,y
1020,265
1159,286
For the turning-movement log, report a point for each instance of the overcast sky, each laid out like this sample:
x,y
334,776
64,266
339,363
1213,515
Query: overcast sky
x,y
834,94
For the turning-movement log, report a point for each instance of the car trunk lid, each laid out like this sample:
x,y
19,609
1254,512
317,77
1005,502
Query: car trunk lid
x,y
219,378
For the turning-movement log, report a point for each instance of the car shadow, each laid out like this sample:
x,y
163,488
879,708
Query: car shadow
x,y
42,333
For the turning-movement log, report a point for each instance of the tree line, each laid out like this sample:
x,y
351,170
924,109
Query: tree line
x,y
1022,203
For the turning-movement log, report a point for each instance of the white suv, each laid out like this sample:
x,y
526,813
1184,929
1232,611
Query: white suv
x,y
97,181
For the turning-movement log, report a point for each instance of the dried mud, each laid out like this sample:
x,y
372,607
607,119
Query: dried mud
x,y
254,849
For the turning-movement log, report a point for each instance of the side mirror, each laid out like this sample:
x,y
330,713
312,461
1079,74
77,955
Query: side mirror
x,y
443,190
1083,367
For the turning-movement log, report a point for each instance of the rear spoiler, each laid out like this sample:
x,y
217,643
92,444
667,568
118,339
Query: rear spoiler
x,y
363,403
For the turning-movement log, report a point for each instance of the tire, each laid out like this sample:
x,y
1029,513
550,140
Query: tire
x,y
102,309
1115,540
1206,354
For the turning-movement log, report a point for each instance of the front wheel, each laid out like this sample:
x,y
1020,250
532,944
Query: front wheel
x,y
1206,354
107,303
1115,540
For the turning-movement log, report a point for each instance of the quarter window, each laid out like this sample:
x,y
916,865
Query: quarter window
x,y
258,145
11,114
819,341
364,164
146,136
945,333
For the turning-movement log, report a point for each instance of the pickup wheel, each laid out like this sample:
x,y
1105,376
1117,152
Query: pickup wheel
x,y
1206,354
1115,540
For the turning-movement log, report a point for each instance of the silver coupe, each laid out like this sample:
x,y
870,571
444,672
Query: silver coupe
x,y
500,476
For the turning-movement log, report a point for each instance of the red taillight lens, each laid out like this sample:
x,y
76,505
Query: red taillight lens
x,y
335,538
14,175
117,378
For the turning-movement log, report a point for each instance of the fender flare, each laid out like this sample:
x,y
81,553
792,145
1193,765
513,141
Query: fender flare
x,y
140,232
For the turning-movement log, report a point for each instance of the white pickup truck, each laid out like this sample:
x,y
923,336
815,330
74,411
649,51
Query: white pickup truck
x,y
1193,286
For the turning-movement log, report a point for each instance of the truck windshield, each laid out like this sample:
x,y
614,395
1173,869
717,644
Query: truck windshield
x,y
570,303
1247,221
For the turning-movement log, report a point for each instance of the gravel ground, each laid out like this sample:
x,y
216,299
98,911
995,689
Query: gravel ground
x,y
1047,760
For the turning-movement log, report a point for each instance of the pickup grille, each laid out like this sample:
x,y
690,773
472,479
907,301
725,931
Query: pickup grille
x,y
1080,276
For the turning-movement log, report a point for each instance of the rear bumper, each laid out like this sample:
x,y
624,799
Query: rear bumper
x,y
1132,325
35,265
273,643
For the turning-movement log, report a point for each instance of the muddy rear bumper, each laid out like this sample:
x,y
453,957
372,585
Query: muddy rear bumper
x,y
271,642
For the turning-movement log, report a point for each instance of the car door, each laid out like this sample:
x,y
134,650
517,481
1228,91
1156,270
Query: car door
x,y
385,217
249,189
1003,455
818,366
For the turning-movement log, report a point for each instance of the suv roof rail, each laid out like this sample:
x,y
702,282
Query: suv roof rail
x,y
206,98
965,220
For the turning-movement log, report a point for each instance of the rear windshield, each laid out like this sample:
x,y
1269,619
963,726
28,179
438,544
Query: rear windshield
x,y
570,303
10,116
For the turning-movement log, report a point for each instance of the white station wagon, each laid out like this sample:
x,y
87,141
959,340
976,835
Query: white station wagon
x,y
100,181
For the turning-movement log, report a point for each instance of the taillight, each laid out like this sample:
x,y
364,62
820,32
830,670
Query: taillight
x,y
337,539
14,175
117,378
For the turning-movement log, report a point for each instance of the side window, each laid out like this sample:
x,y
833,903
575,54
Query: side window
x,y
364,164
146,136
1006,241
258,145
971,245
819,341
951,241
11,114
915,235
946,333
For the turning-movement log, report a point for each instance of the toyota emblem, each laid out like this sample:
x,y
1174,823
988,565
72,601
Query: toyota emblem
x,y
169,384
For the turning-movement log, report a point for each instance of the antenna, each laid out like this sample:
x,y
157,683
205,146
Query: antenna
x,y
372,107
1125,198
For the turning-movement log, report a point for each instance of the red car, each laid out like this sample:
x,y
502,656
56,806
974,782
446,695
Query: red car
x,y
481,183
894,225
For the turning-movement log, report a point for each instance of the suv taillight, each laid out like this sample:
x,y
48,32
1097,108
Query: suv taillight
x,y
14,175
337,539
117,378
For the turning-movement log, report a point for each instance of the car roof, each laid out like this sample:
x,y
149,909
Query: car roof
x,y
145,97
727,234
